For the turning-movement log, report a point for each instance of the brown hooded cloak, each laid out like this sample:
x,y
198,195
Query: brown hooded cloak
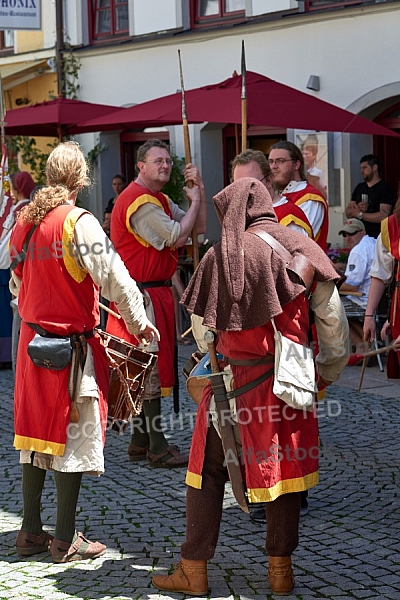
x,y
241,282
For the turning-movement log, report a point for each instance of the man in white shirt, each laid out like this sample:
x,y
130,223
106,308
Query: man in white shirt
x,y
358,280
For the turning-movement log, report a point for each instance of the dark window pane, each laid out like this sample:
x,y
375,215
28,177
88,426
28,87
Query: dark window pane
x,y
121,21
103,21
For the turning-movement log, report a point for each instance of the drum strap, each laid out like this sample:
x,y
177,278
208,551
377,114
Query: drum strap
x,y
142,285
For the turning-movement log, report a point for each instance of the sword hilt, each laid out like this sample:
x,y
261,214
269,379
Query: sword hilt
x,y
209,339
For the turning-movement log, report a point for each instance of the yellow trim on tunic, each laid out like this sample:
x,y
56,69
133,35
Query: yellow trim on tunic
x,y
308,197
35,445
140,201
287,486
194,480
166,391
292,219
67,240
385,234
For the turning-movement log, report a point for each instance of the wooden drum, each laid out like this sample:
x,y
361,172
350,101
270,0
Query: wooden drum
x,y
129,369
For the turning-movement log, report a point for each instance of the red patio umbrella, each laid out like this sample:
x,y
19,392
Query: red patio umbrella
x,y
53,118
269,103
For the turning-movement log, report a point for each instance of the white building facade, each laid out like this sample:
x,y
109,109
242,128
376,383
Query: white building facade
x,y
128,51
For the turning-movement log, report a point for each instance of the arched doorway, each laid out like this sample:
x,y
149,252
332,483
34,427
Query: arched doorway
x,y
388,148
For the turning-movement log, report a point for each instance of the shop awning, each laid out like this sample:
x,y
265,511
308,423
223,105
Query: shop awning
x,y
11,74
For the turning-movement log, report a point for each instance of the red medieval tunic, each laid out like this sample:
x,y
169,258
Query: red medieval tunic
x,y
145,264
390,236
305,194
279,444
63,299
289,213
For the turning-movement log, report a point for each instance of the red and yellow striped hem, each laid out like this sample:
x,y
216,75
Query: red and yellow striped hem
x,y
286,486
36,445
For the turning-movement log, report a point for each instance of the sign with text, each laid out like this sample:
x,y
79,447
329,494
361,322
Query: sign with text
x,y
20,14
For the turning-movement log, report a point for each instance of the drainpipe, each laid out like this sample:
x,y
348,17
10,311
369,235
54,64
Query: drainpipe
x,y
59,49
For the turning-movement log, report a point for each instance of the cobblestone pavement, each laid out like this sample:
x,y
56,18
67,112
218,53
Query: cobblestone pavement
x,y
349,541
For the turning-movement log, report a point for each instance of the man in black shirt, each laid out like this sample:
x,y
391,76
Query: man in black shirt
x,y
373,199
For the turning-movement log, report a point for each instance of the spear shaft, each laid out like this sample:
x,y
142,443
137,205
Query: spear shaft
x,y
244,100
188,159
2,113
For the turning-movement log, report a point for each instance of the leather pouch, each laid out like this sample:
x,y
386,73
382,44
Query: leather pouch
x,y
50,353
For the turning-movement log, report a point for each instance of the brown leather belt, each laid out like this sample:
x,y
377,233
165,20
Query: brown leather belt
x,y
142,285
262,360
44,333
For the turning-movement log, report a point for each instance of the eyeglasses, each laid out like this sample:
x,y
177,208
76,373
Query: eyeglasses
x,y
160,161
279,161
345,235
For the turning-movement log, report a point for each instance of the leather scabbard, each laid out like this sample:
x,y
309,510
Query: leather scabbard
x,y
228,440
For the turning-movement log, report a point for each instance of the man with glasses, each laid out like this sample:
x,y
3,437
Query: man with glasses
x,y
289,179
358,281
253,163
147,228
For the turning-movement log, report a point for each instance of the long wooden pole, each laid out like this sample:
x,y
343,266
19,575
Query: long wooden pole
x,y
188,159
244,100
2,113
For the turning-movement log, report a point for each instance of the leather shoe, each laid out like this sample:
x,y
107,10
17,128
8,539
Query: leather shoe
x,y
137,453
62,552
28,544
280,575
189,577
171,458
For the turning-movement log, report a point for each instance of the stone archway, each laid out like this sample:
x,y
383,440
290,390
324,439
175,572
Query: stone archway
x,y
382,105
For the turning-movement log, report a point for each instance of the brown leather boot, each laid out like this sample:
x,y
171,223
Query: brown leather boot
x,y
280,575
189,577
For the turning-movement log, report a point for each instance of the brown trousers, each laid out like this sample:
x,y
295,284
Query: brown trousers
x,y
204,511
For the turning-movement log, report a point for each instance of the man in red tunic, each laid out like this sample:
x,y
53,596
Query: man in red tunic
x,y
253,163
57,283
289,179
147,228
384,270
239,286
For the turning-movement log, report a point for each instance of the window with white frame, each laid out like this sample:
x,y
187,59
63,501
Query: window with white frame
x,y
7,39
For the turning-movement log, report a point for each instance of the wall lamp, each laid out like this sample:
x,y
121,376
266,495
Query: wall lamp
x,y
21,101
313,83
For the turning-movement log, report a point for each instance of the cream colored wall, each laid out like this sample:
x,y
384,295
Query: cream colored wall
x,y
28,41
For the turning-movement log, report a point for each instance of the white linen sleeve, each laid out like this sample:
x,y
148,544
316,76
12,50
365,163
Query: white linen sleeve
x,y
154,226
297,228
384,263
332,330
315,213
95,253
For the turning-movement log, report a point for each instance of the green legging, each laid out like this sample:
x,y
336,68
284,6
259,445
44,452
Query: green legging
x,y
67,485
147,428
